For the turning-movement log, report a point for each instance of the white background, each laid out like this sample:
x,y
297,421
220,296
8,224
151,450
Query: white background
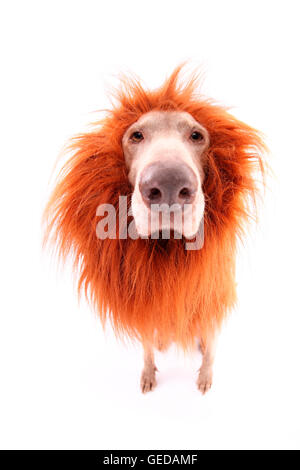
x,y
66,384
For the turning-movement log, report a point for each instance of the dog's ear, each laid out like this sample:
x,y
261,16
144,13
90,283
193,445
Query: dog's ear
x,y
95,174
234,168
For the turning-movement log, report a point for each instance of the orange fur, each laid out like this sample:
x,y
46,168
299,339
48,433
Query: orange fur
x,y
145,287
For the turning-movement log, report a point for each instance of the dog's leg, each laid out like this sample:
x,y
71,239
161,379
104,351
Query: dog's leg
x,y
148,381
205,376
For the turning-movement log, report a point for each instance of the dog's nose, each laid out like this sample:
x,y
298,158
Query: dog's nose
x,y
168,183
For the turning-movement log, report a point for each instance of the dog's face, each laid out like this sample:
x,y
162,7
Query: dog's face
x,y
164,154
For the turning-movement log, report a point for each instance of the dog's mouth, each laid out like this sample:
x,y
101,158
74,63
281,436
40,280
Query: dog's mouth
x,y
166,234
165,222
176,239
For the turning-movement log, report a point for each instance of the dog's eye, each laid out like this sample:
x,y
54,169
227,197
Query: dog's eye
x,y
136,136
196,136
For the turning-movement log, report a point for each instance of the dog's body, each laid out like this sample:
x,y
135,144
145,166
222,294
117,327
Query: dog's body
x,y
171,148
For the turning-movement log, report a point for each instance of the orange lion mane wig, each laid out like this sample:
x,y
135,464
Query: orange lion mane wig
x,y
147,288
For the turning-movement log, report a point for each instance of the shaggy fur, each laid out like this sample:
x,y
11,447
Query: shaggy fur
x,y
153,288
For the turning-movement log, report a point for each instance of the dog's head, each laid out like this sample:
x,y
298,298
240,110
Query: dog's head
x,y
164,153
177,156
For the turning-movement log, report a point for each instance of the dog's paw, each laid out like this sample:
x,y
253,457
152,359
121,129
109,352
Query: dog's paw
x,y
148,380
204,381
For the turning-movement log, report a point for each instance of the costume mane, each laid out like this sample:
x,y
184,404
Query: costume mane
x,y
145,287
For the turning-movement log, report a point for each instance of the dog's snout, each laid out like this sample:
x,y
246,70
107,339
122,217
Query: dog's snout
x,y
168,183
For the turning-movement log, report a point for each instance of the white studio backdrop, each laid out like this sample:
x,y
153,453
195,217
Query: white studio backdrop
x,y
65,383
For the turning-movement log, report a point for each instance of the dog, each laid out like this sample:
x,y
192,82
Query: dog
x,y
177,157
